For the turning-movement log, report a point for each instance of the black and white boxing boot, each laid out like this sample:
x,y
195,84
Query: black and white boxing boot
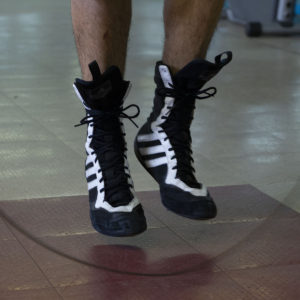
x,y
163,144
114,208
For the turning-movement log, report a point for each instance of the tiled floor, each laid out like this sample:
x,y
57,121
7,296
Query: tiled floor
x,y
246,143
250,251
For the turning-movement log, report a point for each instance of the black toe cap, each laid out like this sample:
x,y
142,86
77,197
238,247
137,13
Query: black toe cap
x,y
119,223
187,205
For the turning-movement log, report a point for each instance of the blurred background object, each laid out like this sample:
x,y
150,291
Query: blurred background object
x,y
265,17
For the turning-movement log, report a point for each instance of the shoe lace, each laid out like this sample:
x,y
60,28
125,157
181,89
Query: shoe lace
x,y
109,144
177,127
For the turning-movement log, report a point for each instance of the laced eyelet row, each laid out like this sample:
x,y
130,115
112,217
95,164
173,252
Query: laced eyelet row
x,y
102,145
183,101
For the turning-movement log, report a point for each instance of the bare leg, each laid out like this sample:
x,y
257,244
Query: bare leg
x,y
189,26
101,30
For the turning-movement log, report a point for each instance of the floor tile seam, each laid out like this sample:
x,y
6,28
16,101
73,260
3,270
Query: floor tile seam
x,y
252,220
87,283
225,221
130,278
221,109
150,212
288,179
283,154
34,262
87,264
241,242
262,134
283,200
23,289
46,198
264,219
238,135
79,234
59,139
293,182
34,197
53,139
213,186
30,117
58,197
259,267
238,131
11,76
186,242
35,120
56,137
250,155
277,198
28,89
210,259
12,238
47,248
248,292
104,281
175,233
64,235
55,198
7,240
145,190
260,113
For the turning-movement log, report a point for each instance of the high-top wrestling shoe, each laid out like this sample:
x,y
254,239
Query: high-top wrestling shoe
x,y
114,208
163,144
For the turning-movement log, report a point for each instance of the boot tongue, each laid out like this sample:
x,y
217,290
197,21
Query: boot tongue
x,y
106,91
109,90
195,74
